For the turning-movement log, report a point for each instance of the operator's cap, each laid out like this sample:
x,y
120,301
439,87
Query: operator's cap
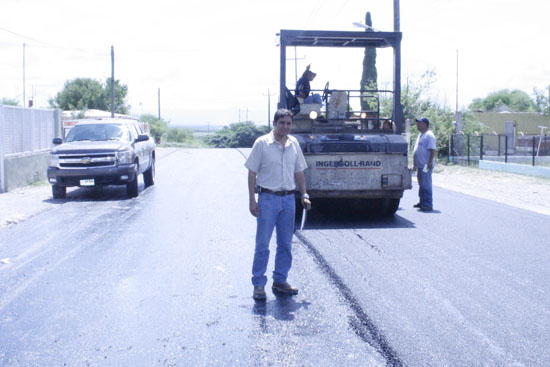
x,y
308,71
424,120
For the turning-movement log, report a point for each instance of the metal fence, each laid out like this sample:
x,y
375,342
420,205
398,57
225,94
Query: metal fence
x,y
26,130
25,133
524,149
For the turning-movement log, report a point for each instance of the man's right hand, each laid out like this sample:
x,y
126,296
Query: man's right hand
x,y
254,208
306,203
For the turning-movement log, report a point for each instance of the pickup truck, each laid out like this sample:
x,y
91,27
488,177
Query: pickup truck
x,y
106,151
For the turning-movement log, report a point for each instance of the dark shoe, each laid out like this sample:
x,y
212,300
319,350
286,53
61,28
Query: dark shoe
x,y
259,293
284,288
417,205
426,208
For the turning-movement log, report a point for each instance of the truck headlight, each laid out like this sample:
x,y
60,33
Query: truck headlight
x,y
53,161
125,157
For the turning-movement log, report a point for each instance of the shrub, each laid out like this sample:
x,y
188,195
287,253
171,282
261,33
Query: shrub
x,y
237,135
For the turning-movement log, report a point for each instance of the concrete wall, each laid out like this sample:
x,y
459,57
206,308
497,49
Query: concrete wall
x,y
515,168
526,122
24,170
524,159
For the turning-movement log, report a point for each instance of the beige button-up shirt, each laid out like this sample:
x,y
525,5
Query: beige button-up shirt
x,y
275,164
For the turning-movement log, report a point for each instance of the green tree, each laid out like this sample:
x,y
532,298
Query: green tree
x,y
9,102
413,97
516,101
369,78
87,93
542,100
159,127
179,135
417,103
236,135
121,91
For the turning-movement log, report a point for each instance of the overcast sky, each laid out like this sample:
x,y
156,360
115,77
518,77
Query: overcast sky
x,y
216,60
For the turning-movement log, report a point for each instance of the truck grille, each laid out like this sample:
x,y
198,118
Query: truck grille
x,y
87,160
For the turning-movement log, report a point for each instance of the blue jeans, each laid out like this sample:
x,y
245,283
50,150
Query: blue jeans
x,y
425,188
313,98
275,212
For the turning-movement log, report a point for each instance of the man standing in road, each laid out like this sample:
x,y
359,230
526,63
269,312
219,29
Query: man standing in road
x,y
424,154
275,164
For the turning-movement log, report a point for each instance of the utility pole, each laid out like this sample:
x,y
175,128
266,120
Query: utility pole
x,y
296,58
295,65
24,96
458,114
240,114
159,103
268,109
112,81
398,112
456,108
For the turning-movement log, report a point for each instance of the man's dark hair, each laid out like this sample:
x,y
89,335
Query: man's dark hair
x,y
283,112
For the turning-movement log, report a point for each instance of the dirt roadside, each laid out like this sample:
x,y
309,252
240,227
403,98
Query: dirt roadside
x,y
24,202
524,192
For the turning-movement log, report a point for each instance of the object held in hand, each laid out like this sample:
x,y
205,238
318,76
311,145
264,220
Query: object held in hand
x,y
304,215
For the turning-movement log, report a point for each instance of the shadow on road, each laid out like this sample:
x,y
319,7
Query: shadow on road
x,y
342,215
429,211
282,308
96,193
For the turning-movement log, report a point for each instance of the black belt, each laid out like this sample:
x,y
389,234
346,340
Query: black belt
x,y
278,193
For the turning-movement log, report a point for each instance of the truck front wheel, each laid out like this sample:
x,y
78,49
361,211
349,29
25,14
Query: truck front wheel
x,y
132,186
59,192
149,175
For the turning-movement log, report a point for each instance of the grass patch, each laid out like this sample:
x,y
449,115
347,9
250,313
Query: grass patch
x,y
194,144
39,183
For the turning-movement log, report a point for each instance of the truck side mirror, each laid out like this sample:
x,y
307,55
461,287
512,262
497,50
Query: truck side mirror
x,y
142,138
57,141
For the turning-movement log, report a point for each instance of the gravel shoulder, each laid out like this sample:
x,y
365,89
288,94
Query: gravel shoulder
x,y
22,203
530,193
526,192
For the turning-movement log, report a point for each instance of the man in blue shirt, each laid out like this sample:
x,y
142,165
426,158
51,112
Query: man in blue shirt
x,y
424,161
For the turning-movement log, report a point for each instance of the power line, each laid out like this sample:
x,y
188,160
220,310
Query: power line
x,y
20,35
43,44
46,44
342,8
315,11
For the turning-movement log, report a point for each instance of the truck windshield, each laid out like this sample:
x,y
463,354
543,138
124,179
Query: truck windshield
x,y
98,132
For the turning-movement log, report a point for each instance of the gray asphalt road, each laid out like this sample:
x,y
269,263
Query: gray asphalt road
x,y
163,280
465,285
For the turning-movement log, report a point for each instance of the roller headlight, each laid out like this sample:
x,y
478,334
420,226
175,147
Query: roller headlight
x,y
53,161
313,115
125,157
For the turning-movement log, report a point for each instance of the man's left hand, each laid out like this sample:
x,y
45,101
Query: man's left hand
x,y
306,203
